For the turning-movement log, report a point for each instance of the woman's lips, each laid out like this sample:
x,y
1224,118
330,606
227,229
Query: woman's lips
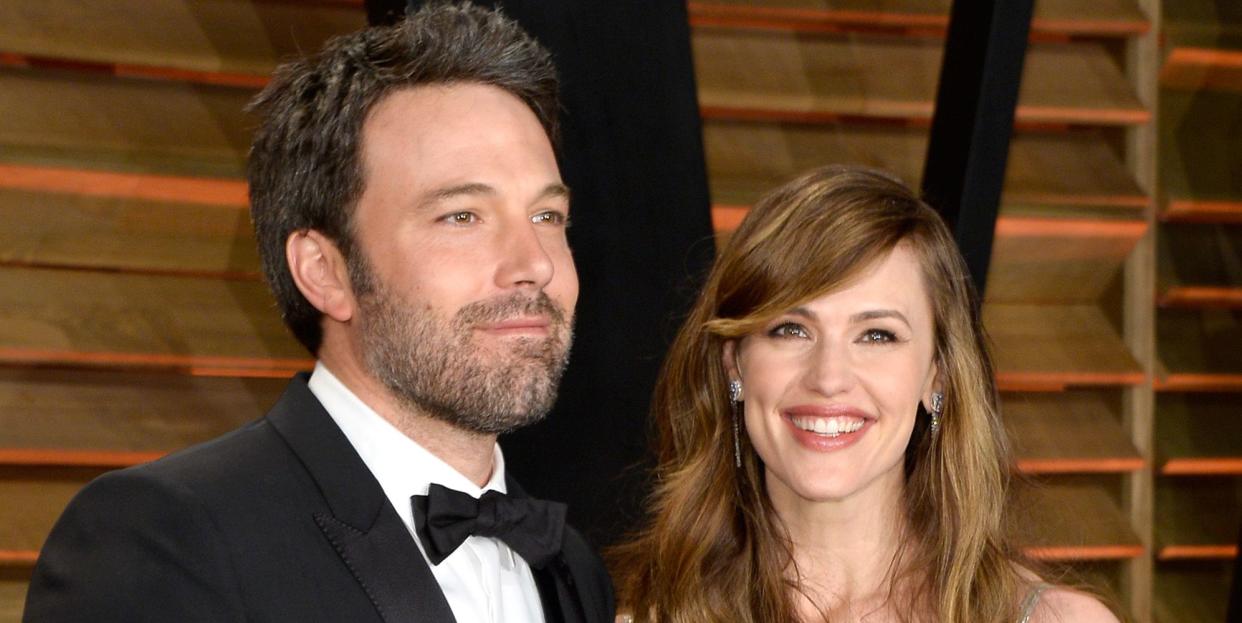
x,y
826,428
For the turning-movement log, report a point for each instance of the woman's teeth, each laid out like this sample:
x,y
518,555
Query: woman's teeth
x,y
832,426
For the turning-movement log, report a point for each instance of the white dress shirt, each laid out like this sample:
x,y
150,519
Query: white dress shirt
x,y
483,580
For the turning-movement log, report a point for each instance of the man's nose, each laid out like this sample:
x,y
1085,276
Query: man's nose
x,y
524,260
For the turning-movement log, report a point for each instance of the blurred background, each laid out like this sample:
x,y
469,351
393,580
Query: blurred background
x,y
133,320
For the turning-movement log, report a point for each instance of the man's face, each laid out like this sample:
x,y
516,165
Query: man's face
x,y
465,283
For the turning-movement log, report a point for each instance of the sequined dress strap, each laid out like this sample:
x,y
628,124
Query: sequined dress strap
x,y
1032,598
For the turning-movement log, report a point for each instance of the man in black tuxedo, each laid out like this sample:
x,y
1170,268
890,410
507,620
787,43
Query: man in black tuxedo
x,y
411,221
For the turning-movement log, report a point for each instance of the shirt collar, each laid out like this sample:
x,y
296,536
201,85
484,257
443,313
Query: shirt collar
x,y
402,466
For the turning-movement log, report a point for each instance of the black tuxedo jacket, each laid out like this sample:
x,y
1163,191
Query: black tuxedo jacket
x,y
277,521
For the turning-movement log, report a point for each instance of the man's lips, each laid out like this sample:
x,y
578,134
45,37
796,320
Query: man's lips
x,y
525,324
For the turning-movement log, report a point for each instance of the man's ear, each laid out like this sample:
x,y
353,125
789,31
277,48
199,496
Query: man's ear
x,y
320,272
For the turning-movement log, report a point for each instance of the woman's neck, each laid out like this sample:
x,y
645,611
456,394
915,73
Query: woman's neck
x,y
843,549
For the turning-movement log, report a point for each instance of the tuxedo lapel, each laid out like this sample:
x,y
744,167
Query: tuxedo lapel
x,y
361,526
555,581
556,593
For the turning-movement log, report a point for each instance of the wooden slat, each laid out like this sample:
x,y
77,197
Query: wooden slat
x,y
747,159
115,419
1192,592
1199,434
117,233
116,185
1050,347
1202,68
1070,432
1198,517
1192,211
783,76
34,499
1199,162
1108,18
1199,297
1052,522
202,326
1199,350
237,36
103,122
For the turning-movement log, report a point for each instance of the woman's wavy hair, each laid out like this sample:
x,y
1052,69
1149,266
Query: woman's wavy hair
x,y
712,548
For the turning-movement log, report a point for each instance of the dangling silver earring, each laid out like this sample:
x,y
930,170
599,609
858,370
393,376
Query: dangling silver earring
x,y
937,408
735,401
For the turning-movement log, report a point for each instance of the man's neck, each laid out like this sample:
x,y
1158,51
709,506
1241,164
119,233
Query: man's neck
x,y
471,454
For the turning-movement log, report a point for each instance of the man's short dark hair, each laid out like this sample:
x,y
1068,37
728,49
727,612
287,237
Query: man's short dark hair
x,y
305,167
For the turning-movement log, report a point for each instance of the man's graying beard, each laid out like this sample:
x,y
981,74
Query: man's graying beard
x,y
433,364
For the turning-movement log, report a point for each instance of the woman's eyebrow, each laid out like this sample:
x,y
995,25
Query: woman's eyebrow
x,y
874,314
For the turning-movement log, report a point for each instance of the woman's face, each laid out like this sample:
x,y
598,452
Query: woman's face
x,y
831,388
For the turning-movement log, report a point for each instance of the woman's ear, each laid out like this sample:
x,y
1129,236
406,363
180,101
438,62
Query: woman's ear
x,y
729,356
933,385
320,273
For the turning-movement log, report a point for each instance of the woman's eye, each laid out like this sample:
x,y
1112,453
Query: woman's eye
x,y
551,217
789,329
877,336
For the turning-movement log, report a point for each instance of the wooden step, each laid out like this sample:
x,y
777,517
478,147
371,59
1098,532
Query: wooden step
x,y
790,77
1200,266
94,319
1198,349
1204,45
1052,347
13,584
75,230
1198,517
98,122
746,160
1200,165
206,36
1051,522
1192,592
1108,18
1058,260
1069,432
115,419
34,500
1199,434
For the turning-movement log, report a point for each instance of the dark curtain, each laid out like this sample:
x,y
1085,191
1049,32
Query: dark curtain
x,y
631,151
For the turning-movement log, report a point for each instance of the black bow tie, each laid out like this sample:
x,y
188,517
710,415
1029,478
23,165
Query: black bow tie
x,y
444,518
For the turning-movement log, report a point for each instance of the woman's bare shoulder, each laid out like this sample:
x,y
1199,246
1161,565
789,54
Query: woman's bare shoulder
x,y
1058,604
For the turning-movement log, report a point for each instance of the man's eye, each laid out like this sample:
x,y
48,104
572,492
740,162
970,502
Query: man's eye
x,y
789,330
877,336
550,217
460,218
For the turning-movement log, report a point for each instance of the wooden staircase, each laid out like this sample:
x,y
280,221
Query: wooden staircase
x,y
1198,454
134,322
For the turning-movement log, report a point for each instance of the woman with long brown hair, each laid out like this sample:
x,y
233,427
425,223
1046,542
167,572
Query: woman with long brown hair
x,y
829,442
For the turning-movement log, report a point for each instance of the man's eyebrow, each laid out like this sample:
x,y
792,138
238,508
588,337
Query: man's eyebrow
x,y
873,314
554,191
448,192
